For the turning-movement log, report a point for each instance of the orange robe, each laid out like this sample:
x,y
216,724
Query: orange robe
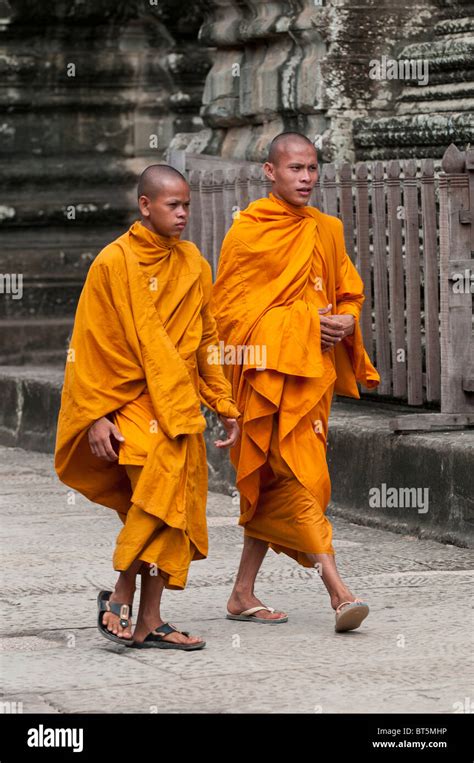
x,y
139,355
278,265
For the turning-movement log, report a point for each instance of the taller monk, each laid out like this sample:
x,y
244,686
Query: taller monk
x,y
130,425
286,291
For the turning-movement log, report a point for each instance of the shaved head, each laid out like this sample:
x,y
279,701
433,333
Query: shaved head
x,y
284,142
163,200
157,178
292,167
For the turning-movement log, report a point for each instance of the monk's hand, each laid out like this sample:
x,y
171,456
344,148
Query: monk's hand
x,y
333,327
100,439
348,322
232,429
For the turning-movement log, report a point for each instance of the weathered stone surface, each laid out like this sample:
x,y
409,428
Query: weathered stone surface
x,y
56,556
307,66
90,93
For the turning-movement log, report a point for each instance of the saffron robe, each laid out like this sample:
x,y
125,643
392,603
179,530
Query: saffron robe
x,y
139,355
278,265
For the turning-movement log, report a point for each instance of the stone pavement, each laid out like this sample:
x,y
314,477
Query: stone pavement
x,y
412,654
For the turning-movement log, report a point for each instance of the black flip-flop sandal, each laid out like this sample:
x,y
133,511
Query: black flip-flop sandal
x,y
155,639
124,611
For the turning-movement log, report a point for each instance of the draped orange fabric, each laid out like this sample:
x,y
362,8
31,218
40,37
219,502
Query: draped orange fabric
x,y
139,355
278,265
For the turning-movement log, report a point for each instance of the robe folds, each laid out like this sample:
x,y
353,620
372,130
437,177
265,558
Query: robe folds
x,y
278,265
139,356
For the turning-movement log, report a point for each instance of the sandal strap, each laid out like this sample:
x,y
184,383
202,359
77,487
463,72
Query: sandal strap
x,y
124,611
356,601
165,628
252,610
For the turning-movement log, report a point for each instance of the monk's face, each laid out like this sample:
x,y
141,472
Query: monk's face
x,y
166,211
294,174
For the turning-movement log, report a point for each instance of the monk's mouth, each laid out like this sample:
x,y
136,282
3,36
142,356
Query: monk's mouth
x,y
304,191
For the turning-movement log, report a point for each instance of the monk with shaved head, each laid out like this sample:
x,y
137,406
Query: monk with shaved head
x,y
287,290
130,425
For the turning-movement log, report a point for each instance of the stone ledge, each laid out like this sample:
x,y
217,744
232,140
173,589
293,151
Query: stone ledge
x,y
360,443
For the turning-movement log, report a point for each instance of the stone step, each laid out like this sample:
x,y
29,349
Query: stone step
x,y
42,271
408,136
431,107
94,208
29,402
441,54
54,252
51,297
452,27
88,170
445,92
26,340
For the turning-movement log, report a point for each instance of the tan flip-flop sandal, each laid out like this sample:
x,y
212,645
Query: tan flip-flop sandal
x,y
248,615
351,616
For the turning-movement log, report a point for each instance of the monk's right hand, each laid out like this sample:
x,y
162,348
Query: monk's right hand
x,y
332,331
100,439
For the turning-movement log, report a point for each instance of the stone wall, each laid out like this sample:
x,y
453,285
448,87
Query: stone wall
x,y
306,66
90,93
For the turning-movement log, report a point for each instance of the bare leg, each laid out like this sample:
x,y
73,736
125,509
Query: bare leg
x,y
337,589
149,615
123,593
242,596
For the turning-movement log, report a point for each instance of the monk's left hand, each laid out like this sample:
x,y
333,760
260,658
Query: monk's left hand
x,y
348,322
232,429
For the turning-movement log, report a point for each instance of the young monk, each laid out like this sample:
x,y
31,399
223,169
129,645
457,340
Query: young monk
x,y
286,284
130,425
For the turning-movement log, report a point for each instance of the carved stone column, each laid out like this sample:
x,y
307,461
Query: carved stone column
x,y
308,65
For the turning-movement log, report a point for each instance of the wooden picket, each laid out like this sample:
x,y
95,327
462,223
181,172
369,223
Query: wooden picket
x,y
407,224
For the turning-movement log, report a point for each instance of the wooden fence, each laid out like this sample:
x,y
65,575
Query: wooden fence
x,y
409,230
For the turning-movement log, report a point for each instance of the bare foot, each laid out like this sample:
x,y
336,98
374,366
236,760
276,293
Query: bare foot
x,y
143,629
239,602
111,621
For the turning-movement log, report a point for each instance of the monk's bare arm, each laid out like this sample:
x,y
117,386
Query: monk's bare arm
x,y
215,390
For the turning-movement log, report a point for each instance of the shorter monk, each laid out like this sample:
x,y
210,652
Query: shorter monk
x,y
130,424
